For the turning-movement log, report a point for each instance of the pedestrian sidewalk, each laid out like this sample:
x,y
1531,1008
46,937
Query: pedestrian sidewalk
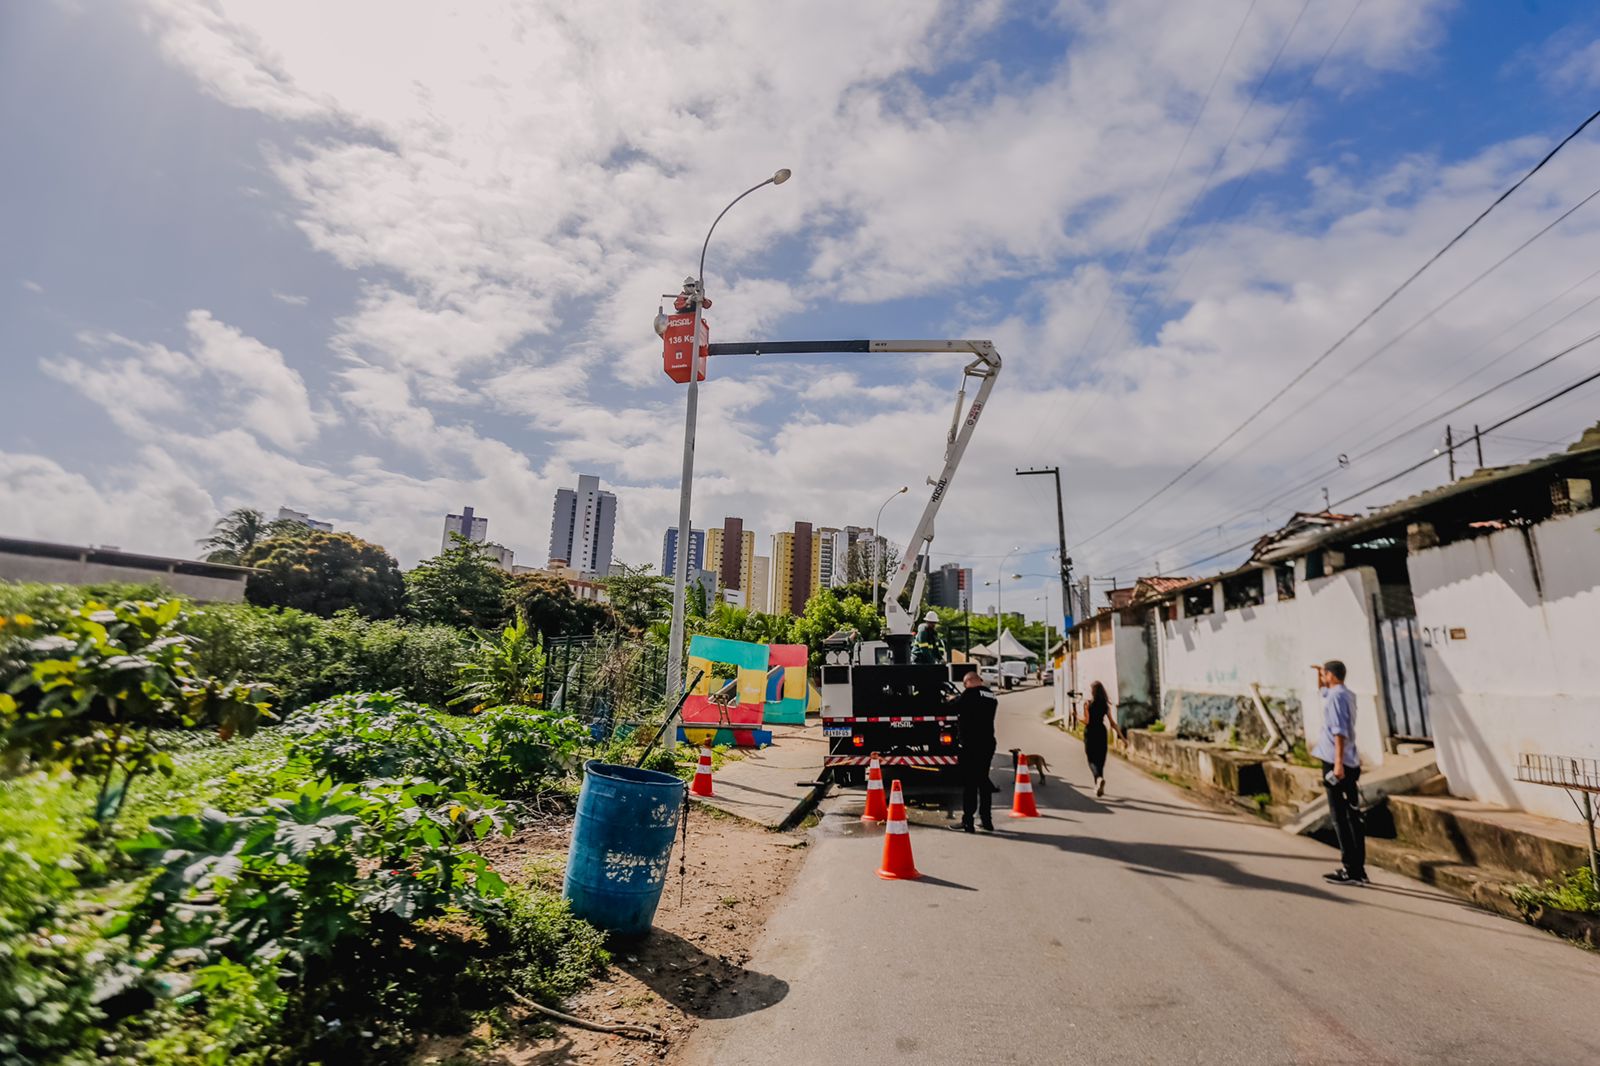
x,y
775,786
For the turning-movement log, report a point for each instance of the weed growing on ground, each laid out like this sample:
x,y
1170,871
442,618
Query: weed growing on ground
x,y
1575,892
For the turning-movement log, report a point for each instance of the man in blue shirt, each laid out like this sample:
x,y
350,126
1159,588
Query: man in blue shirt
x,y
1341,773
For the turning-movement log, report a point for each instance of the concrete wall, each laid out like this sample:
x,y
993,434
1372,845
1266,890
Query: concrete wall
x,y
1208,664
73,572
1122,665
1510,624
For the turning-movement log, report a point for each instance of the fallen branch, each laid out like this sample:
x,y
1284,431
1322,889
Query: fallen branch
x,y
630,1029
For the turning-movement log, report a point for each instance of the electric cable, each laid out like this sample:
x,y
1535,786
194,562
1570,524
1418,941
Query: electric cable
x,y
1340,342
1414,467
1323,475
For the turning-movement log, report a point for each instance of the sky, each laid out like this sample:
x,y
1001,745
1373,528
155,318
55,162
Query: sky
x,y
379,260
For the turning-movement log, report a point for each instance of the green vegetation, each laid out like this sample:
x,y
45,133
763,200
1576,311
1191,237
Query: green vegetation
x,y
175,890
1575,892
324,573
459,587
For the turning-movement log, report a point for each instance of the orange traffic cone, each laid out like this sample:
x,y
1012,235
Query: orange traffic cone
x,y
1022,805
876,811
897,864
702,774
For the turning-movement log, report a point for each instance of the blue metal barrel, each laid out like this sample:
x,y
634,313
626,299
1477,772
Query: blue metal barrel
x,y
621,844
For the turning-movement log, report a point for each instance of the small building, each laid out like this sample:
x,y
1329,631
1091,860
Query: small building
x,y
1484,605
68,564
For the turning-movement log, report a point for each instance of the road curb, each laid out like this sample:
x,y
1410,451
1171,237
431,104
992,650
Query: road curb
x,y
807,804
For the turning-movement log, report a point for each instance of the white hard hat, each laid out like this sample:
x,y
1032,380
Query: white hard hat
x,y
931,616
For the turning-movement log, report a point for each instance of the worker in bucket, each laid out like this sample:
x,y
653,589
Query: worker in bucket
x,y
928,648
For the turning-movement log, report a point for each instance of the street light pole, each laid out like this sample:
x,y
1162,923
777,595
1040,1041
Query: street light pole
x,y
877,545
999,600
680,579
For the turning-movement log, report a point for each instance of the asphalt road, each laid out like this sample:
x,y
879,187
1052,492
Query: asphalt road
x,y
1144,927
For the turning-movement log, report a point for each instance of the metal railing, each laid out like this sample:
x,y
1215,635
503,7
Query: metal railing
x,y
1580,777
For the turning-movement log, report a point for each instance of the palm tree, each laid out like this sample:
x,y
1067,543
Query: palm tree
x,y
234,534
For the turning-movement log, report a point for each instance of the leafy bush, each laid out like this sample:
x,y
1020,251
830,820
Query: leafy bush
x,y
324,573
505,669
1575,892
458,587
332,882
521,747
97,684
365,735
46,975
308,658
546,952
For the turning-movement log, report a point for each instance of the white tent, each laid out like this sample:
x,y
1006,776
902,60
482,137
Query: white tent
x,y
1010,648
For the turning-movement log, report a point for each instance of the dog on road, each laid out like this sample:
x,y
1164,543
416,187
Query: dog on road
x,y
1036,765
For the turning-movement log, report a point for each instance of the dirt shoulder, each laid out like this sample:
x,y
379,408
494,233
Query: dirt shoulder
x,y
692,966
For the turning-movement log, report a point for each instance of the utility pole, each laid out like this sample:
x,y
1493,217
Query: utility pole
x,y
1450,450
1477,438
1061,533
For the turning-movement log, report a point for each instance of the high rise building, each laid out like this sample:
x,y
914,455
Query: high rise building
x,y
583,526
289,514
669,550
830,564
759,598
793,570
731,552
951,586
474,528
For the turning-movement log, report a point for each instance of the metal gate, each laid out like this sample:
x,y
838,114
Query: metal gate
x,y
1405,680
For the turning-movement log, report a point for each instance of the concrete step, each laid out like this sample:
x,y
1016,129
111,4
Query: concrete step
x,y
1532,847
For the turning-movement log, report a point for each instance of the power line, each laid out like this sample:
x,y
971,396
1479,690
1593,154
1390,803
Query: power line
x,y
1331,349
1414,467
1388,345
1322,475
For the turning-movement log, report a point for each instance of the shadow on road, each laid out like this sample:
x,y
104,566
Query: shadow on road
x,y
700,985
939,882
1173,860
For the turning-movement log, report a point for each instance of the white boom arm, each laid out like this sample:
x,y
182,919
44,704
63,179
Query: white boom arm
x,y
985,367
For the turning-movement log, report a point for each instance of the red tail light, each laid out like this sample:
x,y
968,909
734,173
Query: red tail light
x,y
859,741
947,738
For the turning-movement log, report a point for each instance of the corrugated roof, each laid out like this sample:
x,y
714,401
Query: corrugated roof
x,y
1587,446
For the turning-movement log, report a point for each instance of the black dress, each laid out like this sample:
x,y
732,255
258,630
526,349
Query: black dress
x,y
1094,735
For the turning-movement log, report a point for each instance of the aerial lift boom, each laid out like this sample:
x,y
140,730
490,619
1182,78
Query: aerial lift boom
x,y
985,368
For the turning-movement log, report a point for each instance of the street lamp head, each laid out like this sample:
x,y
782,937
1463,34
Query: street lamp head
x,y
905,488
661,322
781,176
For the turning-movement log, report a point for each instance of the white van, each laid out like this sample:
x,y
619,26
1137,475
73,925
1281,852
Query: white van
x,y
1008,674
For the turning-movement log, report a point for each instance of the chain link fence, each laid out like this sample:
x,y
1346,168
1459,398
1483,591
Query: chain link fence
x,y
611,684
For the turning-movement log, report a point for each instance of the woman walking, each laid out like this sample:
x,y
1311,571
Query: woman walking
x,y
1097,719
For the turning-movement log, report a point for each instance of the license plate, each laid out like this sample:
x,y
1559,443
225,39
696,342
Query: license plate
x,y
837,731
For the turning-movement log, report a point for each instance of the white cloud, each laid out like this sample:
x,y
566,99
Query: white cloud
x,y
225,377
291,299
515,186
33,286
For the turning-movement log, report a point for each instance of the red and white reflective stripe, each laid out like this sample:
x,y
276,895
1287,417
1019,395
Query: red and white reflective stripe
x,y
705,755
1024,785
890,760
896,828
909,718
874,784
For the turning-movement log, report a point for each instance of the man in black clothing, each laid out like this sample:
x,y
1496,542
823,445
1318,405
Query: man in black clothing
x,y
975,710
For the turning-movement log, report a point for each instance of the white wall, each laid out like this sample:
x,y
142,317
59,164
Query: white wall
x,y
1098,664
1526,675
72,572
1275,643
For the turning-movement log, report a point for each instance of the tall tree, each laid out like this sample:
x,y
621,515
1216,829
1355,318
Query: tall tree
x,y
460,587
638,597
325,572
551,608
235,535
